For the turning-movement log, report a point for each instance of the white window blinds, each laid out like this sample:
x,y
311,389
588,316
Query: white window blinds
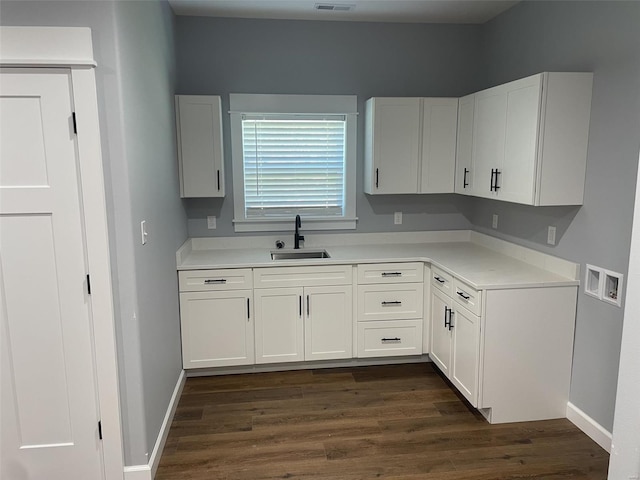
x,y
293,164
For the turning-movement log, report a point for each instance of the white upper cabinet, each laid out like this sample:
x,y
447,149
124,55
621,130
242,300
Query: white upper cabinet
x,y
392,145
528,142
410,145
200,150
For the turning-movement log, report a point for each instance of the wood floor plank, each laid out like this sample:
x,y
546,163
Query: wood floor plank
x,y
391,422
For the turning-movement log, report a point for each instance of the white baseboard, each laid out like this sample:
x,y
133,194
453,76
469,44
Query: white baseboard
x,y
588,425
147,472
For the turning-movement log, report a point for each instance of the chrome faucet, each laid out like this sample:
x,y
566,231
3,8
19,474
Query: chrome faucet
x,y
297,237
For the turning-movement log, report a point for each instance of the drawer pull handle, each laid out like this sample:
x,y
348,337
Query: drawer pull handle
x,y
391,274
215,280
395,303
438,279
392,340
464,295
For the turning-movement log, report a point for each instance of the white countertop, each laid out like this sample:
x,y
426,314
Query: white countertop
x,y
464,256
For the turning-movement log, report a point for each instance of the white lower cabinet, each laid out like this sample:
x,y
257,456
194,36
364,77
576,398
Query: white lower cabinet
x,y
455,344
312,322
216,317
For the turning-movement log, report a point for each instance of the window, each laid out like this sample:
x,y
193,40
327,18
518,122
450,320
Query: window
x,y
293,155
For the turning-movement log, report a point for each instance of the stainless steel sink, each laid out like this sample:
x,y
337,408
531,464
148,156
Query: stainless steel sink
x,y
298,254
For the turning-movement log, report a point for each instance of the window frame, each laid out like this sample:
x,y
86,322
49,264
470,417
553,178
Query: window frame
x,y
256,104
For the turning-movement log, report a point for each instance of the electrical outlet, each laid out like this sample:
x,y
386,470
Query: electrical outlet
x,y
211,223
551,235
397,218
494,221
143,232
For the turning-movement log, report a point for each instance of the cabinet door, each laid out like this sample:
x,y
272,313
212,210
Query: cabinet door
x,y
438,159
518,170
489,129
200,151
465,354
392,146
440,351
464,150
328,322
279,325
217,328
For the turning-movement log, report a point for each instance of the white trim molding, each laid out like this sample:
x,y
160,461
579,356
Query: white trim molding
x,y
46,46
588,425
148,472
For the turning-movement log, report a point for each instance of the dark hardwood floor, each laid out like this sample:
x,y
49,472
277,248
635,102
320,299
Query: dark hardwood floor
x,y
391,422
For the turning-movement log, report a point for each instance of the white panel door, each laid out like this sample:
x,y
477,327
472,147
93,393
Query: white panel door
x,y
279,325
49,412
439,128
518,173
200,149
396,145
466,354
217,328
328,322
440,351
489,129
464,148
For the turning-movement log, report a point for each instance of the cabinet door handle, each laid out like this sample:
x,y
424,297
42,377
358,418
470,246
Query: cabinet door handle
x,y
377,178
496,186
465,184
493,172
248,310
300,305
391,274
463,295
393,303
447,318
438,279
450,320
308,307
391,340
218,177
215,280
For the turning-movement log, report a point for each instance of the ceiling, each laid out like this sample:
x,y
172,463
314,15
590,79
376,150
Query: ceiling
x,y
404,11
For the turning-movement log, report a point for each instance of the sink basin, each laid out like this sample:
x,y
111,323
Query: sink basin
x,y
298,254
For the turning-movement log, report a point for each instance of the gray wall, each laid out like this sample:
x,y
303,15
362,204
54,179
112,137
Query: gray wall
x,y
133,46
218,56
602,37
147,81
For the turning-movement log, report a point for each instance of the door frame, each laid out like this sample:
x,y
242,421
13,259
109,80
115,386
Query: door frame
x,y
72,48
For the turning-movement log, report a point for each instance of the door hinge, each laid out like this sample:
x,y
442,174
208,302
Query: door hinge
x,y
100,429
75,125
88,284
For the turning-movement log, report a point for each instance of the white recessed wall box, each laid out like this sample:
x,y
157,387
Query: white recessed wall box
x,y
603,284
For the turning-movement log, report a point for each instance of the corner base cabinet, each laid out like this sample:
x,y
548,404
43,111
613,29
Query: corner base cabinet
x,y
507,351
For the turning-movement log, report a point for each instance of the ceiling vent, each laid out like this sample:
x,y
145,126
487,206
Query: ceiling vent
x,y
332,7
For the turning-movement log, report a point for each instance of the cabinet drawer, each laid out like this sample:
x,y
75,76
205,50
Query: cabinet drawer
x,y
302,276
467,296
391,273
442,281
390,302
208,280
388,339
